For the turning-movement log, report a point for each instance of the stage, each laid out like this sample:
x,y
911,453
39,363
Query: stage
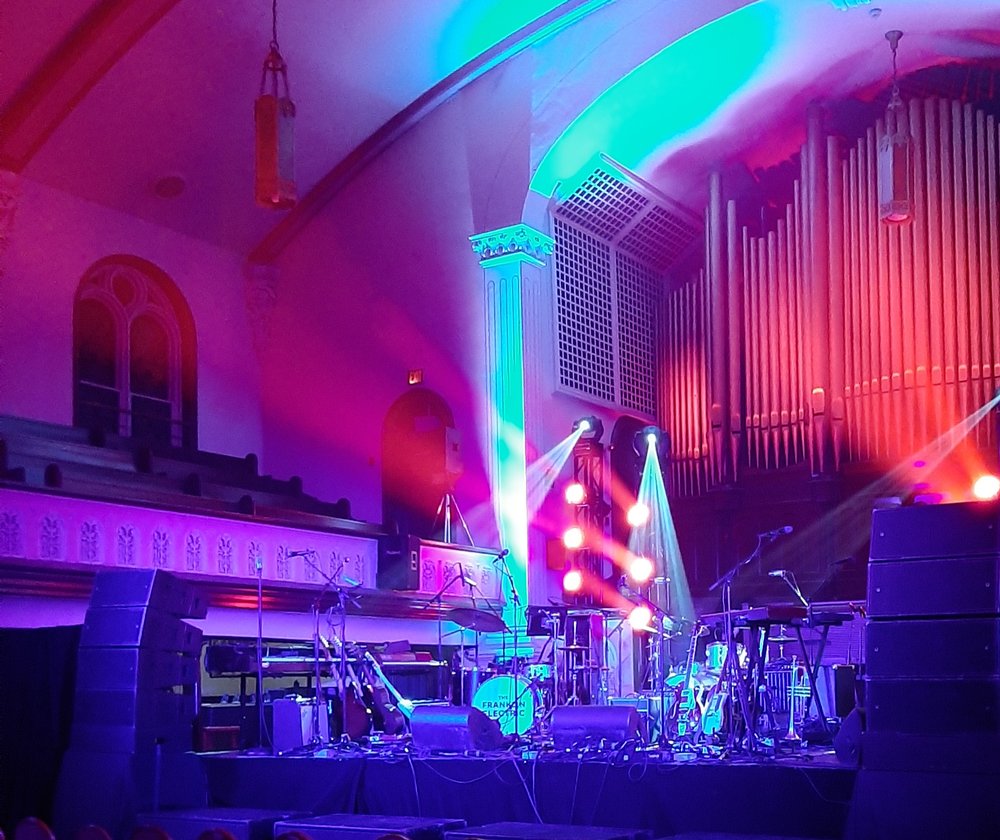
x,y
803,795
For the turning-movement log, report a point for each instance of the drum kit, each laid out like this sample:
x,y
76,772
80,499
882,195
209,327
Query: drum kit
x,y
520,691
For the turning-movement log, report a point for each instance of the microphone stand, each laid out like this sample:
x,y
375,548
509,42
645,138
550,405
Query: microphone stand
x,y
732,665
341,608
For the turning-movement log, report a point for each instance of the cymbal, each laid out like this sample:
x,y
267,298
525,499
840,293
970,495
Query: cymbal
x,y
478,620
781,640
575,647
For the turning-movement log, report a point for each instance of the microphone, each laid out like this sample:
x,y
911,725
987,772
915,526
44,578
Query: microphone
x,y
777,532
777,573
305,553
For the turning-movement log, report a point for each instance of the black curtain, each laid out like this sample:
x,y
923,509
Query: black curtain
x,y
38,668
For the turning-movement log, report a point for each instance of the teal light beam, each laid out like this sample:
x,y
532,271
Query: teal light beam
x,y
665,97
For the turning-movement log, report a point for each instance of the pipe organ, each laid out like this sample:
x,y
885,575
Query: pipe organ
x,y
832,337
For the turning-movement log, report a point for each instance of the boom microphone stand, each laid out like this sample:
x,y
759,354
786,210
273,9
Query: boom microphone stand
x,y
340,607
731,666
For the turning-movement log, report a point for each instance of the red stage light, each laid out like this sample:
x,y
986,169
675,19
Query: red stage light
x,y
575,493
573,537
573,580
986,487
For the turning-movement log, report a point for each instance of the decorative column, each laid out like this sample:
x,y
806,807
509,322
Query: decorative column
x,y
513,263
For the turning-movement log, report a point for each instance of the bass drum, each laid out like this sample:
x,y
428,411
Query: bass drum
x,y
511,701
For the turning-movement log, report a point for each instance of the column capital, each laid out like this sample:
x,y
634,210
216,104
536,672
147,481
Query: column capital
x,y
514,243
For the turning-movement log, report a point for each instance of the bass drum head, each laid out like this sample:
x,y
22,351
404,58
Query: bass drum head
x,y
510,701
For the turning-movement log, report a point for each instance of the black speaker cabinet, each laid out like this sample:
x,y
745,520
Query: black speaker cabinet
x,y
539,831
108,669
955,530
148,588
139,627
454,729
241,823
935,648
933,707
939,586
368,827
580,725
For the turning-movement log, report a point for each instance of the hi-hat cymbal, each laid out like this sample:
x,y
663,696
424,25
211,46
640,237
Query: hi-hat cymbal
x,y
781,640
478,620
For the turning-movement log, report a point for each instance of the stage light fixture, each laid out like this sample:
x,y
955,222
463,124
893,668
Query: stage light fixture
x,y
986,487
646,437
637,515
575,493
589,427
573,537
640,617
573,580
640,569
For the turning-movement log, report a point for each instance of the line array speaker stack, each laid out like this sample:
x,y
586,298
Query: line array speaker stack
x,y
136,697
933,640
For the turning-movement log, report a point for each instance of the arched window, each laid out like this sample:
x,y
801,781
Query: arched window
x,y
134,354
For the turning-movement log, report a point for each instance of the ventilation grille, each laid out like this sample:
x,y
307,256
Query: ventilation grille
x,y
637,295
603,205
659,238
583,312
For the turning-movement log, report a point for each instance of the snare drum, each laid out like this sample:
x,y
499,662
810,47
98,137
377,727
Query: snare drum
x,y
509,700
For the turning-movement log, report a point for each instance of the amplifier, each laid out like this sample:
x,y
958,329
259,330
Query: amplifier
x,y
945,586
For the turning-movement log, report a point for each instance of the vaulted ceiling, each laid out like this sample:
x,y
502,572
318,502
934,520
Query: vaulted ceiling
x,y
105,99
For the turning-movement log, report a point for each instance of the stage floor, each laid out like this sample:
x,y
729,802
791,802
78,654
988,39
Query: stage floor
x,y
805,794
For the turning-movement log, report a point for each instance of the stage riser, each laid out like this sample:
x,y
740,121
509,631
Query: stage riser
x,y
947,586
958,647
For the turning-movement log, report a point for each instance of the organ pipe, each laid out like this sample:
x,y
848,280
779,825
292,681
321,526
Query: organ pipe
x,y
830,337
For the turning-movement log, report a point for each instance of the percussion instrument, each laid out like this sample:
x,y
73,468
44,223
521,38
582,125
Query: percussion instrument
x,y
510,700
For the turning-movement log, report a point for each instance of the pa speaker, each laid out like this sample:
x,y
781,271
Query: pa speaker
x,y
847,741
148,588
574,725
454,729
